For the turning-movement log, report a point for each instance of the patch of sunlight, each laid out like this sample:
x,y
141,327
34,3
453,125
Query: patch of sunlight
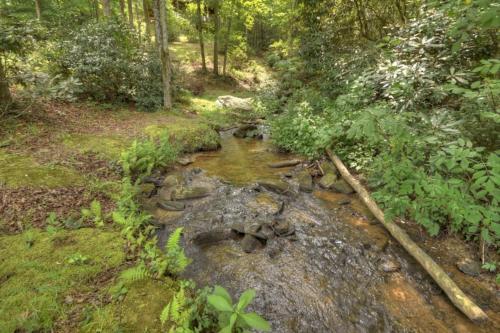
x,y
18,170
107,146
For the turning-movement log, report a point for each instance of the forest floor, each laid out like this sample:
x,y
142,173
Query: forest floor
x,y
58,158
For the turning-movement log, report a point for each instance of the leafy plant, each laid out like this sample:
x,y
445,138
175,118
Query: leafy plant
x,y
233,318
53,224
77,259
94,214
143,156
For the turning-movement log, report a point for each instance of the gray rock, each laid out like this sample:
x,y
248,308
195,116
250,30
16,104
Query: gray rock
x,y
328,180
276,186
188,193
206,238
343,187
267,232
469,266
249,243
234,103
172,180
284,164
305,181
238,227
250,131
186,160
171,205
389,264
283,228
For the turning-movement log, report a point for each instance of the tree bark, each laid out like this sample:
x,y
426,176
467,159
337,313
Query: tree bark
x,y
106,7
130,14
160,13
38,8
122,9
228,36
456,296
200,35
147,20
216,37
5,96
138,18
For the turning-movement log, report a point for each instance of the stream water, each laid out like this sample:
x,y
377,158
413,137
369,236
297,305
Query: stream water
x,y
338,272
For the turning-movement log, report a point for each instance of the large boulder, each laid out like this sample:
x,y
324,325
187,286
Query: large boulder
x,y
234,103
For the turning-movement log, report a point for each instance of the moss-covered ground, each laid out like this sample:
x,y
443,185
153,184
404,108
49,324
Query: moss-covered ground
x,y
61,159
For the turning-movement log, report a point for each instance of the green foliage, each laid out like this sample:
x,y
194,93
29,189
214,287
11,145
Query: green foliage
x,y
233,318
77,259
93,214
143,156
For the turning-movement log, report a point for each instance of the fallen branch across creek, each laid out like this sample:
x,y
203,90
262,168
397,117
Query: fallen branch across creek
x,y
455,294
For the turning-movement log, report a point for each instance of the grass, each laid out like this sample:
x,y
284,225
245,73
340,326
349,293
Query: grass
x,y
107,146
36,275
19,170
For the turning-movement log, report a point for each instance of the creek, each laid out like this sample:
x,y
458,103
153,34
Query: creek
x,y
333,269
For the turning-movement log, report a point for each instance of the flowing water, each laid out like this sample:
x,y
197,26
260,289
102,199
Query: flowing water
x,y
328,276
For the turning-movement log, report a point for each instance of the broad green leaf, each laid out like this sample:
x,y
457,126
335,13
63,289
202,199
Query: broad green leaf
x,y
219,303
255,321
221,291
245,299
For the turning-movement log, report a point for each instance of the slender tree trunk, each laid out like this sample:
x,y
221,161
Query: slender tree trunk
x,y
145,8
38,8
122,9
130,14
200,35
138,17
160,14
106,7
228,37
5,96
216,37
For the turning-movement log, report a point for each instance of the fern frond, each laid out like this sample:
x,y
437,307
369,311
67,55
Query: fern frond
x,y
173,241
134,274
165,314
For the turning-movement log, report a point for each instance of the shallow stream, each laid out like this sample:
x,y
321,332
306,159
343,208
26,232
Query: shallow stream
x,y
339,271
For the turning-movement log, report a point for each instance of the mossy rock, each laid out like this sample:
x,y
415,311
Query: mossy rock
x,y
36,273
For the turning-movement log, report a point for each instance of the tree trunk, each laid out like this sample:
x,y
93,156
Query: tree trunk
x,y
200,35
228,36
456,296
138,18
145,8
5,97
160,13
106,7
122,9
216,37
130,14
38,8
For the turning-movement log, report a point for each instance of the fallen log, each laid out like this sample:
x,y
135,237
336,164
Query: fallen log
x,y
284,164
454,293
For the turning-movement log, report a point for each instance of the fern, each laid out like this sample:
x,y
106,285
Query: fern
x,y
177,260
134,274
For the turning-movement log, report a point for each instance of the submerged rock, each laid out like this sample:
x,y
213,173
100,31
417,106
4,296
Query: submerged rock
x,y
389,264
171,205
284,164
186,160
343,187
249,243
469,267
234,103
188,193
250,131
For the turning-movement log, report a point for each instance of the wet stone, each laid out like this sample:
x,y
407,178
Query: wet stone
x,y
189,193
469,267
185,160
171,205
248,131
305,181
389,264
328,180
249,243
276,186
343,187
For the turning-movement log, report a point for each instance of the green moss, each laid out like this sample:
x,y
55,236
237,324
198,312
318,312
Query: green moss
x,y
139,311
35,275
18,170
190,135
108,146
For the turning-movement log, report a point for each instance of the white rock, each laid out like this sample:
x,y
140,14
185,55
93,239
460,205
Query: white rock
x,y
234,103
